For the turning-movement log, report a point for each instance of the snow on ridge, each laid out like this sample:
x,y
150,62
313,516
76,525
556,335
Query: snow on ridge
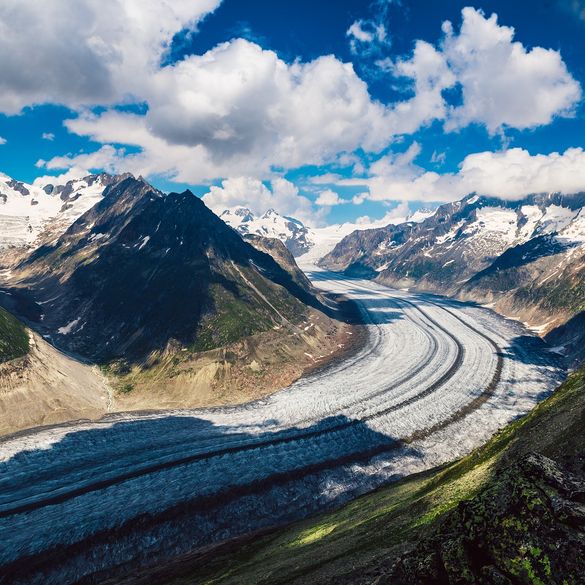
x,y
27,209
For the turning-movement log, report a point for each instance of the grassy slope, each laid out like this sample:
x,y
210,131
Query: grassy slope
x,y
351,543
13,337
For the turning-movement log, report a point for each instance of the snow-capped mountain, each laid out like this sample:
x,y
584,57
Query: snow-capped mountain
x,y
460,239
294,235
27,211
304,242
525,258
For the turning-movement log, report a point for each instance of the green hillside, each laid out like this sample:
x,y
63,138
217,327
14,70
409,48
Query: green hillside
x,y
13,337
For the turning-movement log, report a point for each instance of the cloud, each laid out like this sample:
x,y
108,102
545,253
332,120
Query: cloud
x,y
86,52
73,173
514,173
510,174
367,36
241,110
502,83
48,136
398,214
438,158
283,196
325,179
430,74
2,140
328,198
107,158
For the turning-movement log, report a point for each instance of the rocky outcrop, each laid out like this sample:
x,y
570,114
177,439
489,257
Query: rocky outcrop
x,y
527,525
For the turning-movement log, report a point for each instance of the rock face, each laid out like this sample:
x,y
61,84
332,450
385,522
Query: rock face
x,y
283,257
526,526
526,258
142,270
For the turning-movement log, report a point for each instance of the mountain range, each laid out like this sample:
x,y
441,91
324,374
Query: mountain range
x,y
116,296
30,213
310,243
524,258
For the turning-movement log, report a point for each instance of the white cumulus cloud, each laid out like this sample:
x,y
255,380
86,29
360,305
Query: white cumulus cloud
x,y
510,174
241,110
502,82
328,198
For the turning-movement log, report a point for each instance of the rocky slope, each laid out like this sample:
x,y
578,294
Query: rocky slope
x,y
283,256
525,258
40,385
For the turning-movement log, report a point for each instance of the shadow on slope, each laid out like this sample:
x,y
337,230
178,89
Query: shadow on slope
x,y
230,483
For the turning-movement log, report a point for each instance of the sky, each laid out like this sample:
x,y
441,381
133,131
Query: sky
x,y
326,111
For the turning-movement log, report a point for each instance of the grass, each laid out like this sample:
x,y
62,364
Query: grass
x,y
379,525
233,319
14,340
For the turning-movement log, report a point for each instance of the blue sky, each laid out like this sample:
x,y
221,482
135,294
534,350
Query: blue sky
x,y
255,103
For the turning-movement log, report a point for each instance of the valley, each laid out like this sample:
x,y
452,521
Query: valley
x,y
292,293
435,379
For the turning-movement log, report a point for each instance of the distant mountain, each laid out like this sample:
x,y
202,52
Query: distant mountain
x,y
31,212
309,243
295,236
526,258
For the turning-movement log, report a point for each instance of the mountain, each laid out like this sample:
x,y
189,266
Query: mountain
x,y
309,243
142,268
29,213
295,236
173,304
524,258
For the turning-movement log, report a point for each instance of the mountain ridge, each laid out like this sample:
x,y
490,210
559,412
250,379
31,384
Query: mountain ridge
x,y
523,258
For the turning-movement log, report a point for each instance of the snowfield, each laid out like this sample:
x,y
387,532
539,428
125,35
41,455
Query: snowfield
x,y
435,379
26,210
